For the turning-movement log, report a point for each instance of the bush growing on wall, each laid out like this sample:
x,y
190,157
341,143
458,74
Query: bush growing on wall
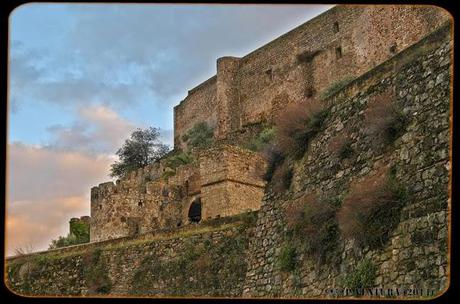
x,y
263,139
312,225
340,146
200,136
363,276
371,209
282,177
335,87
297,125
384,121
287,258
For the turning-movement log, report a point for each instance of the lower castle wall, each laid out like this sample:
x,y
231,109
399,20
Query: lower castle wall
x,y
160,265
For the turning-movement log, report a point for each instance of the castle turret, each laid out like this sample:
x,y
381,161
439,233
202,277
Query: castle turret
x,y
227,96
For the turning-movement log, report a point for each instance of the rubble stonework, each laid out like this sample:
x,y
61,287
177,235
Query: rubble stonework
x,y
225,180
403,49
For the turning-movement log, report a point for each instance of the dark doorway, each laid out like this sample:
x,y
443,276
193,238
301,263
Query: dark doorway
x,y
194,213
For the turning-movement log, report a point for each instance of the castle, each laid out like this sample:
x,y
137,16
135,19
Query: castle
x,y
246,94
144,236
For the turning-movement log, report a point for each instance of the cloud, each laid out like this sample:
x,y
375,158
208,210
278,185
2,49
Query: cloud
x,y
129,54
36,222
98,129
46,188
39,173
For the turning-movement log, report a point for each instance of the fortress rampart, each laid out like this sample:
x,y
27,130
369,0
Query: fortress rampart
x,y
342,43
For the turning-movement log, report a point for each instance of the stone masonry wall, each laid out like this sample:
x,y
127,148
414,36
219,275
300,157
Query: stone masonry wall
x,y
342,43
227,179
231,181
416,255
165,264
200,105
229,258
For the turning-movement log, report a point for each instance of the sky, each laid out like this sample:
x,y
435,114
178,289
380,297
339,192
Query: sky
x,y
82,77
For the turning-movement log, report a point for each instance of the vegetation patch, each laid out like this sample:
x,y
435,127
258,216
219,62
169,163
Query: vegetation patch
x,y
95,273
384,121
282,177
287,259
174,161
262,140
340,146
335,87
312,226
370,211
362,276
213,267
200,136
142,148
297,125
79,234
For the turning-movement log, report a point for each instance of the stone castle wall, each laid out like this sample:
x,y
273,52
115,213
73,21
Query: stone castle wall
x,y
343,42
227,180
417,254
123,267
242,261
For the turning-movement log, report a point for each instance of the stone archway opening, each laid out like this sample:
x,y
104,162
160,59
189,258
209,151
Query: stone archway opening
x,y
194,213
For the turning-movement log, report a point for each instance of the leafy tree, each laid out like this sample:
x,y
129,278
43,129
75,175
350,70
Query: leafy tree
x,y
142,148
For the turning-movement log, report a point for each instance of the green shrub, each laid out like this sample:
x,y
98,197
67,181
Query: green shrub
x,y
262,140
287,258
363,276
79,234
200,136
371,209
176,160
335,87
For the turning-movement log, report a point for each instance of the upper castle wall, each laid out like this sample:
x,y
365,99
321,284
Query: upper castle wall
x,y
200,105
345,41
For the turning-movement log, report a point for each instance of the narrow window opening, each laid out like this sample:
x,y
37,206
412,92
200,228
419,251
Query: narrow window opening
x,y
393,48
140,204
269,74
100,207
338,52
309,92
336,27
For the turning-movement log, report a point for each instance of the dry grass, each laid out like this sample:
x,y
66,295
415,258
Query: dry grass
x,y
340,146
370,211
312,224
297,125
383,120
282,177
